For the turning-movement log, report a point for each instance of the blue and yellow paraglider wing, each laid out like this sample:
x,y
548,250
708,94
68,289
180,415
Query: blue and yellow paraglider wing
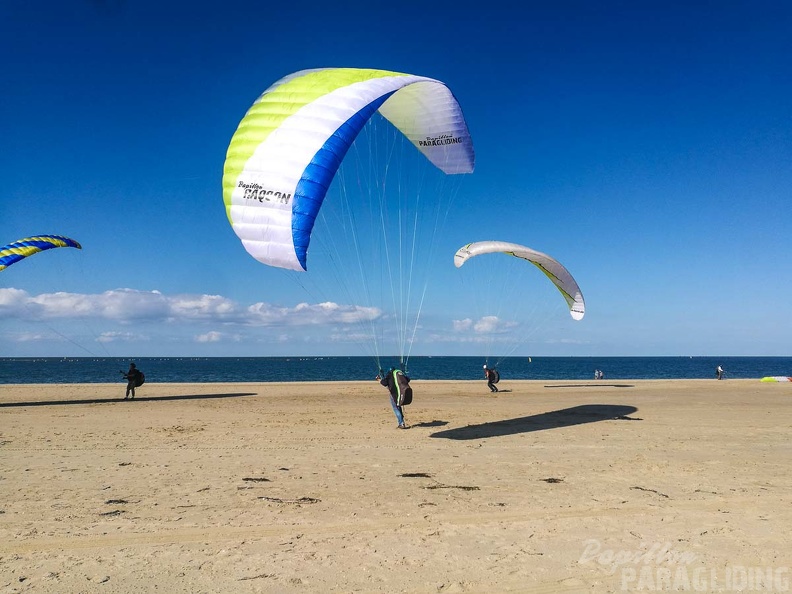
x,y
21,249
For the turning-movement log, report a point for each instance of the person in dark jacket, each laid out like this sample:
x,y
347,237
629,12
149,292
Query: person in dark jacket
x,y
132,376
489,374
397,383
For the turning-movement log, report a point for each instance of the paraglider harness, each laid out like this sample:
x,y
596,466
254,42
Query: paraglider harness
x,y
398,383
493,376
137,376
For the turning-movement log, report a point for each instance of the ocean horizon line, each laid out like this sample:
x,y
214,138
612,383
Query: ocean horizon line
x,y
231,369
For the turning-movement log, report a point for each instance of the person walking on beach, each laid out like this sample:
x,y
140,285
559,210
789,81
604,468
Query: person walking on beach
x,y
132,377
400,391
719,372
492,378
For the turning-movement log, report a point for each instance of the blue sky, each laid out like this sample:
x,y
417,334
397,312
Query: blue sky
x,y
645,145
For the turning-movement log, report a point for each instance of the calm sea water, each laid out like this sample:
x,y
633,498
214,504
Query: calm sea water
x,y
280,369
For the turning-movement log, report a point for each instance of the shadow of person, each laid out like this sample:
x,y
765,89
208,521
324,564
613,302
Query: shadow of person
x,y
576,415
123,400
434,423
591,386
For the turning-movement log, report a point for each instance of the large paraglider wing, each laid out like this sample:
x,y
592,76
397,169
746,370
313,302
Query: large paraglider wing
x,y
559,275
288,147
18,250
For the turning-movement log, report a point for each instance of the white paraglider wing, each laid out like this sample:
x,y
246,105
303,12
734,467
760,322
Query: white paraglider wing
x,y
553,269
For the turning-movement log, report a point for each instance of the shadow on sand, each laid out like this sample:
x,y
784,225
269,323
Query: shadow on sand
x,y
434,423
122,401
577,415
592,386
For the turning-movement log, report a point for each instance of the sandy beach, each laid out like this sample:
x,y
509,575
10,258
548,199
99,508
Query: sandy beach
x,y
576,486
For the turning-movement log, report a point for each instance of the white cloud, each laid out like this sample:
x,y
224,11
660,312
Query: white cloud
x,y
349,337
119,305
32,337
304,314
108,337
566,341
484,325
215,336
203,307
462,325
487,325
209,337
12,300
130,305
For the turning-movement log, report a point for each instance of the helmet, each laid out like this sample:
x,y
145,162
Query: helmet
x,y
485,367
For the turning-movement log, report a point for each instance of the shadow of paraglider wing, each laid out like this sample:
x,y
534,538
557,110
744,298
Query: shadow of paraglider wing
x,y
576,415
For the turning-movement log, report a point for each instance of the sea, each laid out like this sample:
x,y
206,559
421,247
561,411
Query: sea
x,y
55,370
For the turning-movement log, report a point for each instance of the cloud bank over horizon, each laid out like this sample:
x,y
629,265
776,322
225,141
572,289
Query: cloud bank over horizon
x,y
128,306
170,323
196,324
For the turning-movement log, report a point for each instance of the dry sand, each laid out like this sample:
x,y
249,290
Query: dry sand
x,y
310,487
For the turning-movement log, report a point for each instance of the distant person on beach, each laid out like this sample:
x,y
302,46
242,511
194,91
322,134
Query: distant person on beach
x,y
400,391
132,377
719,372
492,378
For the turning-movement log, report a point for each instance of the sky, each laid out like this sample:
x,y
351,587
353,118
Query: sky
x,y
645,145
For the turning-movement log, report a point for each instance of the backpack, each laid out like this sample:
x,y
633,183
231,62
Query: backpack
x,y
495,376
405,391
140,379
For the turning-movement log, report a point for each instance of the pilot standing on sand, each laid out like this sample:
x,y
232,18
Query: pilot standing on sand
x,y
131,377
398,384
490,376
